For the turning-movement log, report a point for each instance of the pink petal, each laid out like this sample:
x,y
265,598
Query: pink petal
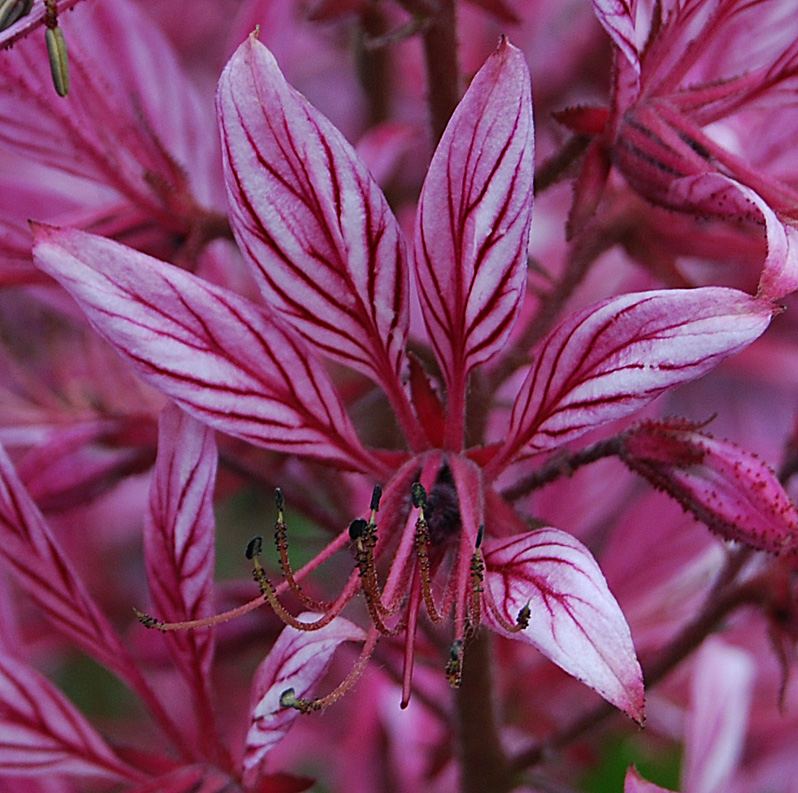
x,y
43,733
715,193
472,228
634,783
613,357
311,221
721,691
617,17
179,534
575,621
731,490
298,660
216,354
41,569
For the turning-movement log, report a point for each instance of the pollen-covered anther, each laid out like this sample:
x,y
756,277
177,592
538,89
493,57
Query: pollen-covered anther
x,y
149,622
454,664
289,699
418,495
522,620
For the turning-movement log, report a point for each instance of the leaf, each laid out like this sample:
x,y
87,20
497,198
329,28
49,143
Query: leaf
x,y
617,17
472,225
729,489
179,534
613,357
43,733
720,700
574,619
216,354
310,220
41,569
298,660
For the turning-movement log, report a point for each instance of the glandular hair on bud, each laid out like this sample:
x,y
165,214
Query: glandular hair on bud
x,y
59,62
254,547
419,495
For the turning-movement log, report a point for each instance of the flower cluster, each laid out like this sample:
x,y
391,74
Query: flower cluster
x,y
201,303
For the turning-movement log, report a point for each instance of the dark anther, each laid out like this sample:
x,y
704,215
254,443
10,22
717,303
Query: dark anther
x,y
454,666
419,495
357,528
522,620
456,650
376,495
254,547
288,698
147,621
278,498
480,533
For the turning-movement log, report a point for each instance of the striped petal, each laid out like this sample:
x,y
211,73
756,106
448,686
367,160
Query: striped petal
x,y
310,220
179,533
298,661
216,354
46,575
574,619
472,229
617,17
615,356
43,733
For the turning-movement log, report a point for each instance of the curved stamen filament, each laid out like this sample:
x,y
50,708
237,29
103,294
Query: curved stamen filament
x,y
281,541
521,622
288,698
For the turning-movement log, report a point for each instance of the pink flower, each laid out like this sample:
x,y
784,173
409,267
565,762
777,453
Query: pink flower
x,y
336,278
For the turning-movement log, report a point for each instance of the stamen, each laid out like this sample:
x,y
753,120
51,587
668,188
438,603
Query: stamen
x,y
254,547
477,579
281,541
288,698
56,49
150,622
480,535
521,621
422,554
364,536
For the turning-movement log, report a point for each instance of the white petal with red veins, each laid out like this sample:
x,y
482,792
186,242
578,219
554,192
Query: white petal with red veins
x,y
217,355
472,230
574,619
311,221
179,535
298,660
43,733
613,357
